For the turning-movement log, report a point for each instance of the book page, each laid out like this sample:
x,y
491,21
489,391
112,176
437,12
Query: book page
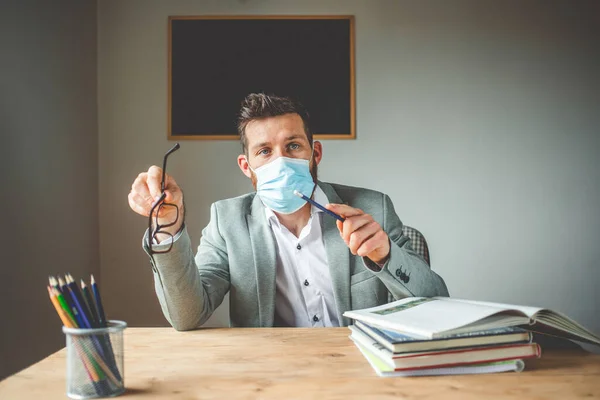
x,y
430,316
529,311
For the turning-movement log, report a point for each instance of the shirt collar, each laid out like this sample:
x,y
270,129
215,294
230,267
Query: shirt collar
x,y
319,196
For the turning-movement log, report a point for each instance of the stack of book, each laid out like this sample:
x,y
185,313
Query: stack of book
x,y
419,336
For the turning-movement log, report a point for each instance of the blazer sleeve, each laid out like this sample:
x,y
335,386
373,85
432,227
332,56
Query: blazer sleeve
x,y
405,274
190,289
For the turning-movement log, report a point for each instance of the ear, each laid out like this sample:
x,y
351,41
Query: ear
x,y
317,152
244,166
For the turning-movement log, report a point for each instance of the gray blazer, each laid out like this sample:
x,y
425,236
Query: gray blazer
x,y
237,255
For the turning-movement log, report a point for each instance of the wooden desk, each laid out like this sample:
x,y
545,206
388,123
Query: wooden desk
x,y
296,363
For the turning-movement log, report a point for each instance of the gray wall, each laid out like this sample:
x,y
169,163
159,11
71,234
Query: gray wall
x,y
49,159
479,118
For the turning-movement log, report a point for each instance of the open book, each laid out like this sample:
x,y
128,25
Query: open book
x,y
437,317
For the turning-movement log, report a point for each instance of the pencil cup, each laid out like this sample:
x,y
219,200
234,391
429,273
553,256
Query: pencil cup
x,y
95,361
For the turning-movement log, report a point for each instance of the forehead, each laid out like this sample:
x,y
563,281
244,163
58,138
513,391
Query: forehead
x,y
272,129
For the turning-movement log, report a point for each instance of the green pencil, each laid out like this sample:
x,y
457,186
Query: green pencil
x,y
65,306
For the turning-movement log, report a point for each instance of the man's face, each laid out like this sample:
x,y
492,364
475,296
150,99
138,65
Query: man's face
x,y
282,136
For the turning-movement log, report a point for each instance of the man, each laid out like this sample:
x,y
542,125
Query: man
x,y
283,261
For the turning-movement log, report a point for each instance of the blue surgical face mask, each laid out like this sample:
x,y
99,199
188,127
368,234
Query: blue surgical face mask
x,y
277,180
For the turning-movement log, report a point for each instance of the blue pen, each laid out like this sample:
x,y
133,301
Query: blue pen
x,y
320,207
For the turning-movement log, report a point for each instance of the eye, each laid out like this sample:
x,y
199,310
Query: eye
x,y
294,146
263,152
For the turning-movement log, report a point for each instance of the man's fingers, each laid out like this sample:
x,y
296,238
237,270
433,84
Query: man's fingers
x,y
344,210
153,180
340,226
353,224
140,188
361,233
358,237
172,191
136,204
373,243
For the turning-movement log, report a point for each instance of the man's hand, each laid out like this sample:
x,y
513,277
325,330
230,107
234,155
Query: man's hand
x,y
145,190
363,236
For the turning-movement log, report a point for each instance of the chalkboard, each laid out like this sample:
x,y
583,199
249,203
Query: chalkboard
x,y
216,61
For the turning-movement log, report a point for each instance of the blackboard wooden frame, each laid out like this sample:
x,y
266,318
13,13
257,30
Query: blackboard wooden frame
x,y
347,94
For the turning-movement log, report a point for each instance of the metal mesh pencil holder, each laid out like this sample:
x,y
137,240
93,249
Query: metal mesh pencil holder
x,y
95,361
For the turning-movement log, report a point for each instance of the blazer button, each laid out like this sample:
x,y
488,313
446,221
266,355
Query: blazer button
x,y
407,279
298,247
399,273
315,318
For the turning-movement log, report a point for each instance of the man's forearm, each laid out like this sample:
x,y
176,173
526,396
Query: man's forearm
x,y
178,285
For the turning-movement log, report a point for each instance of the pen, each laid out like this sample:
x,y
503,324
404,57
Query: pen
x,y
320,207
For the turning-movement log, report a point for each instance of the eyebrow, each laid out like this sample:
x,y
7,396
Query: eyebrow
x,y
294,137
259,145
287,139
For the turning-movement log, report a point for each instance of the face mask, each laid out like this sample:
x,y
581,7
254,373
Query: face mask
x,y
277,180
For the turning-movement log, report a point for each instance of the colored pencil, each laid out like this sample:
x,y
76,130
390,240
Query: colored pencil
x,y
102,321
77,293
105,339
89,302
320,207
63,303
67,294
100,308
54,283
77,302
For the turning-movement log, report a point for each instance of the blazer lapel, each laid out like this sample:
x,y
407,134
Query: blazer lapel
x,y
263,250
338,256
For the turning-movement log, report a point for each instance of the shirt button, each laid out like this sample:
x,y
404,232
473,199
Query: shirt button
x,y
315,318
298,247
306,282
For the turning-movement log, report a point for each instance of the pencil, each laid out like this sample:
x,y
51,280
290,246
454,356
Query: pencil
x,y
67,294
99,307
77,302
54,282
89,302
104,339
101,318
320,207
65,306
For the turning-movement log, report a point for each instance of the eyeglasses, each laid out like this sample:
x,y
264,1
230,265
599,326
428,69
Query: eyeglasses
x,y
158,207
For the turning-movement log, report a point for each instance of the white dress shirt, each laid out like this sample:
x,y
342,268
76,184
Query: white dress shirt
x,y
304,292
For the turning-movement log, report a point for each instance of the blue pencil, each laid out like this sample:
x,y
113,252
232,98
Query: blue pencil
x,y
320,207
103,324
99,307
78,303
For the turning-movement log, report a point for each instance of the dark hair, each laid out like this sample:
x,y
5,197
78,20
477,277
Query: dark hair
x,y
259,105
